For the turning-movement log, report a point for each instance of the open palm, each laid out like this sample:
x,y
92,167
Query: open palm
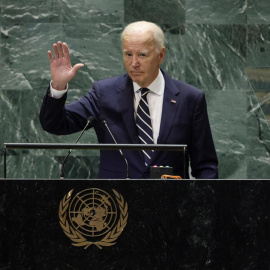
x,y
61,69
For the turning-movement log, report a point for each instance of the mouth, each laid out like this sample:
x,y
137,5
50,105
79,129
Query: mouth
x,y
136,72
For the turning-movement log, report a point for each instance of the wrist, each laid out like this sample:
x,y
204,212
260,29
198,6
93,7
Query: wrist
x,y
58,86
57,93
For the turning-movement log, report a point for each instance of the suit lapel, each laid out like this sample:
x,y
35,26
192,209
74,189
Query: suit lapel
x,y
171,102
169,108
126,105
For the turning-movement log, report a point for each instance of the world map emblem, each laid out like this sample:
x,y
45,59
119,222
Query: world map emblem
x,y
93,217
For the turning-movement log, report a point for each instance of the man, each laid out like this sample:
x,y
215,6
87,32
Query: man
x,y
178,113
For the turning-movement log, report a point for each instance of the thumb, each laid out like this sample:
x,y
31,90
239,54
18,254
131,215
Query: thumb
x,y
77,67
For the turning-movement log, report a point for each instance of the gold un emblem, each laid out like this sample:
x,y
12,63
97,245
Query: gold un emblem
x,y
93,217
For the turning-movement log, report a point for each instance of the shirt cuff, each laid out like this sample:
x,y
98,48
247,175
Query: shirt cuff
x,y
56,93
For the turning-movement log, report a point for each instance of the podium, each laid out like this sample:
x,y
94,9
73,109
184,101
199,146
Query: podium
x,y
171,224
133,223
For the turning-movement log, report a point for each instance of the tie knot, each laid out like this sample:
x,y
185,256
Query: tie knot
x,y
144,91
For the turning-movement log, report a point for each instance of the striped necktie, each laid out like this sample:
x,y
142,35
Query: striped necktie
x,y
143,122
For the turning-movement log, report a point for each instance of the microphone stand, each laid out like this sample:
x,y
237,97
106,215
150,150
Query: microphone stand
x,y
121,152
89,121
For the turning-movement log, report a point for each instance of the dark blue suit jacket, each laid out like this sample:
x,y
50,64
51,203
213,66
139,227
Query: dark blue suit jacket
x,y
183,122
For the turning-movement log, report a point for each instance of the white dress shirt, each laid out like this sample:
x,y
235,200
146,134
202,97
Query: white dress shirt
x,y
154,98
56,93
155,102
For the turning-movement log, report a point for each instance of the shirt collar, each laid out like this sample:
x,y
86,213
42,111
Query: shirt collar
x,y
154,86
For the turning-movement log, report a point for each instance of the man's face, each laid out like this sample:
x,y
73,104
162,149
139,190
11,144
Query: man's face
x,y
141,58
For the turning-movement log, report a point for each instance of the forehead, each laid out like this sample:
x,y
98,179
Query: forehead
x,y
139,41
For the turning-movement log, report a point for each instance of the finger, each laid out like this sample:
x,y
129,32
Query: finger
x,y
55,51
50,56
66,51
60,49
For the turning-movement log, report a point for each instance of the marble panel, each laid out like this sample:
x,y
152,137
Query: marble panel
x,y
29,2
168,12
258,12
24,52
260,83
216,12
216,57
40,164
227,115
57,11
258,45
13,80
93,11
175,58
20,12
0,28
258,140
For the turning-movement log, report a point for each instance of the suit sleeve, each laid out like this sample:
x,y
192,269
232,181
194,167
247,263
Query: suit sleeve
x,y
59,118
203,158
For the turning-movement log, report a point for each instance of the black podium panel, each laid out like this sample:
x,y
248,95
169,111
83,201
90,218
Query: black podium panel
x,y
171,224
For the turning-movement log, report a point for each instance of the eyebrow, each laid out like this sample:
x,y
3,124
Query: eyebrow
x,y
143,51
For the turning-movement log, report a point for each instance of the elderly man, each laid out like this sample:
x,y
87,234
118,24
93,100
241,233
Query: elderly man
x,y
143,106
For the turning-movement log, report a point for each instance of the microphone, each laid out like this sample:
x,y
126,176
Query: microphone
x,y
89,121
104,122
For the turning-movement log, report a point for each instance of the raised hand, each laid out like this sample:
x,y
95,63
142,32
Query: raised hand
x,y
61,69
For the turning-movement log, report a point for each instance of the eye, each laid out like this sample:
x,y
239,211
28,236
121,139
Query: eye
x,y
128,54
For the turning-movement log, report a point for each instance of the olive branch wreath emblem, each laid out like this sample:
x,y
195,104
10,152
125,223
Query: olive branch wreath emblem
x,y
78,239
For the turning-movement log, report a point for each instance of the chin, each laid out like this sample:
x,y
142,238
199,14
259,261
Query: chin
x,y
136,80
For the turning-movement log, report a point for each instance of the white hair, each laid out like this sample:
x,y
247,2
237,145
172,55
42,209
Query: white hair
x,y
144,26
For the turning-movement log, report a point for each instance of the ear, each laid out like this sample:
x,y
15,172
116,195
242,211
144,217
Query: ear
x,y
162,55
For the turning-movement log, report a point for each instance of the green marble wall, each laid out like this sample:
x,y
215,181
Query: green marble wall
x,y
209,44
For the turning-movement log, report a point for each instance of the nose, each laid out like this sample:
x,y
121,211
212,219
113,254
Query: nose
x,y
135,62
